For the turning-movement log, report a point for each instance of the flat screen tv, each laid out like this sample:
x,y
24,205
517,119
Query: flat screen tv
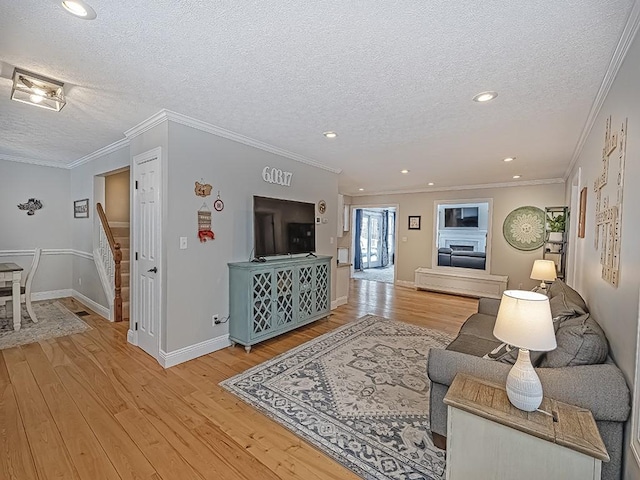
x,y
282,227
461,217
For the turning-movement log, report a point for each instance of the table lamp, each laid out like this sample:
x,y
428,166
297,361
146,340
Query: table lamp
x,y
524,321
544,270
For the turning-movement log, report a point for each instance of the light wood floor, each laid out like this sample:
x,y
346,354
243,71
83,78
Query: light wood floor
x,y
90,406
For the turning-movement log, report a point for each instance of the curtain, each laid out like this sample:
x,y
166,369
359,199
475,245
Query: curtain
x,y
357,259
384,241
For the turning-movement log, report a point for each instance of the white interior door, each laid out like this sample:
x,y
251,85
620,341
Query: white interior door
x,y
147,235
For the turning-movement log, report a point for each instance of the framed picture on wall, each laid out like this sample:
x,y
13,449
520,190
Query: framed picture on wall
x,y
81,208
414,222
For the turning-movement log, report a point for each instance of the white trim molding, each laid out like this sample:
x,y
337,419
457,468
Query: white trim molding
x,y
626,39
405,283
339,302
169,359
100,153
33,161
47,251
51,294
187,121
96,307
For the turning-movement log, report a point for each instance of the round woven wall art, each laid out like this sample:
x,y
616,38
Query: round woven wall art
x,y
524,228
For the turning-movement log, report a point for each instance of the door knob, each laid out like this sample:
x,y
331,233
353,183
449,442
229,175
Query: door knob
x,y
154,270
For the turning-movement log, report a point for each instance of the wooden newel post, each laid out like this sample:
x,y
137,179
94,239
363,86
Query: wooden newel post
x,y
117,257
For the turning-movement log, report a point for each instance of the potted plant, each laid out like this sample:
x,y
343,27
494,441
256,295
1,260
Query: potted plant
x,y
557,225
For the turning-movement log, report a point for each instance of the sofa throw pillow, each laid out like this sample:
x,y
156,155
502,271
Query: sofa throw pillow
x,y
562,308
572,297
580,341
504,353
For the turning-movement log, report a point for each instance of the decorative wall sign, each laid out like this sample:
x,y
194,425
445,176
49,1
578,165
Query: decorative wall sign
x,y
204,224
81,208
32,205
524,228
218,204
608,228
414,222
277,176
203,189
582,218
322,207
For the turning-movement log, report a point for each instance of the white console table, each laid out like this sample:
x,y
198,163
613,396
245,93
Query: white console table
x,y
467,282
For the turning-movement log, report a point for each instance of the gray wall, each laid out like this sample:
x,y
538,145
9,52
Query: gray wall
x,y
48,228
505,260
616,309
85,275
197,280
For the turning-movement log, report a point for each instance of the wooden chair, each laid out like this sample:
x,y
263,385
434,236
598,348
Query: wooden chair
x,y
25,290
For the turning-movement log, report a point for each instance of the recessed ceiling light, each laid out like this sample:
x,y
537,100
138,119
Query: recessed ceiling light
x,y
430,184
517,176
330,134
80,9
361,189
485,96
509,159
405,171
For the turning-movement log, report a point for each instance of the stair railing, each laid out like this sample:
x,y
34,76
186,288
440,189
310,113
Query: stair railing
x,y
111,256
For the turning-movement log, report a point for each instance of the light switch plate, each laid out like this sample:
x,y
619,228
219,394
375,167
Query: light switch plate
x,y
183,243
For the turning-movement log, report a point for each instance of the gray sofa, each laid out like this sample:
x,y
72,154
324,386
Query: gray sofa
x,y
461,258
579,372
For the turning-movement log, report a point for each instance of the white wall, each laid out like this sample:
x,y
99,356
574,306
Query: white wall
x,y
197,280
48,228
505,260
616,309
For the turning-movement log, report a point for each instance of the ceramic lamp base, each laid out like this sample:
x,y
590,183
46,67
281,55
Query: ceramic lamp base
x,y
523,385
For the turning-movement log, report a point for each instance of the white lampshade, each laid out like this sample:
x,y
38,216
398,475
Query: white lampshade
x,y
524,321
544,270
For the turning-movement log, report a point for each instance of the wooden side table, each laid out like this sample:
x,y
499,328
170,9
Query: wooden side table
x,y
488,438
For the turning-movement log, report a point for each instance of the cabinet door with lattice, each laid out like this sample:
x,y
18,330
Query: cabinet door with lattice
x,y
284,297
306,291
262,303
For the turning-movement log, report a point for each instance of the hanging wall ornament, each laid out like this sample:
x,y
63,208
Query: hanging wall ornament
x,y
203,189
31,206
218,204
204,224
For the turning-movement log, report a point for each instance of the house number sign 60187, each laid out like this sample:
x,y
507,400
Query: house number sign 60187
x,y
275,175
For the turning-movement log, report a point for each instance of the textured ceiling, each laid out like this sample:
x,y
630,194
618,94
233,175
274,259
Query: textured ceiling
x,y
394,79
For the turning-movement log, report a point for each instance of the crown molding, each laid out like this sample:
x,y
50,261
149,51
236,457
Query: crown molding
x,y
100,153
33,161
524,183
619,54
187,121
146,125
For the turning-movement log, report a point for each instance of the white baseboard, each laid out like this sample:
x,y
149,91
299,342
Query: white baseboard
x,y
96,307
405,283
169,359
51,294
338,301
132,337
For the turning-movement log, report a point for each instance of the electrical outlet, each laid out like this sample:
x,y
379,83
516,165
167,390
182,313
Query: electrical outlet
x,y
214,318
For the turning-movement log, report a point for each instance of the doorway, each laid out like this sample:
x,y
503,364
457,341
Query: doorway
x,y
374,244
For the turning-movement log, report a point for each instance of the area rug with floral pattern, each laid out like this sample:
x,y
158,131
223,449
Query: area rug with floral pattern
x,y
359,393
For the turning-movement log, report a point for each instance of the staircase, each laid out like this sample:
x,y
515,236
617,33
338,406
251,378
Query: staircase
x,y
121,236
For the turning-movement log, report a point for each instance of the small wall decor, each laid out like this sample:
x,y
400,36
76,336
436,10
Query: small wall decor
x,y
414,222
81,208
322,207
204,224
30,206
277,176
218,204
582,218
203,189
524,228
608,227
